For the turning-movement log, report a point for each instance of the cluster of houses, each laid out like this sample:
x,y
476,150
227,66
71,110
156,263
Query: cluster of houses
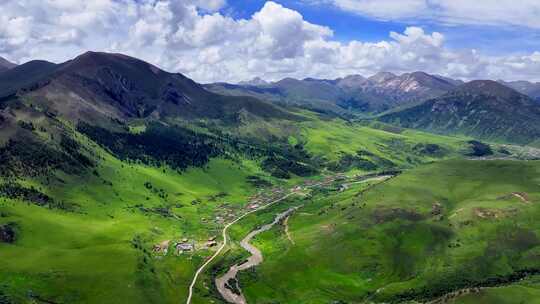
x,y
227,213
183,246
179,247
253,206
256,201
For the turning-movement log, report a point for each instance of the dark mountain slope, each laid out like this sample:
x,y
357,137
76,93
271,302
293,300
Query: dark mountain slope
x,y
45,109
480,108
25,76
102,86
531,89
6,65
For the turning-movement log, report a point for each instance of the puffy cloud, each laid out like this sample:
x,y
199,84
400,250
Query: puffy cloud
x,y
14,32
284,37
195,38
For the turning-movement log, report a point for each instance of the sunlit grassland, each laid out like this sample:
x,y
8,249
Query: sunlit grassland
x,y
330,138
100,251
88,255
386,245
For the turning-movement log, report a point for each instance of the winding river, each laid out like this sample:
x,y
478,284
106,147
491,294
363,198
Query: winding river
x,y
256,256
233,294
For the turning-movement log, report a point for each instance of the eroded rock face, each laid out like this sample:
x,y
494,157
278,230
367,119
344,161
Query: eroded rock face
x,y
8,233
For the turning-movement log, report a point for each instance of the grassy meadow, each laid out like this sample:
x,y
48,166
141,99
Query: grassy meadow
x,y
101,251
376,246
430,231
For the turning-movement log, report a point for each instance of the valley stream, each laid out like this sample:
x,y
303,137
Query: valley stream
x,y
227,284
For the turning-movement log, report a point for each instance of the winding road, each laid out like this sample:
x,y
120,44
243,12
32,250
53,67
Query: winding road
x,y
225,241
245,242
255,259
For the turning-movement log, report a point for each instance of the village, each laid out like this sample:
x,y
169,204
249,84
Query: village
x,y
228,213
183,246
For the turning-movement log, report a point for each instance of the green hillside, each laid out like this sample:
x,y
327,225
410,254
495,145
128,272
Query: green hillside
x,y
94,233
481,109
427,233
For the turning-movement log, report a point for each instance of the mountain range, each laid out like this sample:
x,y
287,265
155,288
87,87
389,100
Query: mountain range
x,y
101,88
493,110
377,93
98,87
531,89
482,108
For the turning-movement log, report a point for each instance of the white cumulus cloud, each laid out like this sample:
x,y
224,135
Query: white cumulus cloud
x,y
196,38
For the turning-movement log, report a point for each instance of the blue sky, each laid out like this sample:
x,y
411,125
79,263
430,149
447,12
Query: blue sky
x,y
346,26
490,39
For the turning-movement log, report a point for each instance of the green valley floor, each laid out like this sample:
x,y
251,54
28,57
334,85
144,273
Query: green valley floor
x,y
457,231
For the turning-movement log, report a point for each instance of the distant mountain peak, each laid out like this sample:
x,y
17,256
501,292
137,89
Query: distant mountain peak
x,y
488,88
531,89
382,77
423,79
257,81
352,81
5,64
420,76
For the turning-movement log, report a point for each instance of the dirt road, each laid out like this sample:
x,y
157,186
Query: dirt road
x,y
235,298
255,259
225,240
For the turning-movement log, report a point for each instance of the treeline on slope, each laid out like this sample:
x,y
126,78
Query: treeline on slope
x,y
454,284
181,148
363,160
479,149
290,159
31,157
368,161
16,191
177,147
32,195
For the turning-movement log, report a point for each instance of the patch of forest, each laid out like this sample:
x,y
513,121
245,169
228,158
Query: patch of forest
x,y
181,148
32,195
30,158
177,147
